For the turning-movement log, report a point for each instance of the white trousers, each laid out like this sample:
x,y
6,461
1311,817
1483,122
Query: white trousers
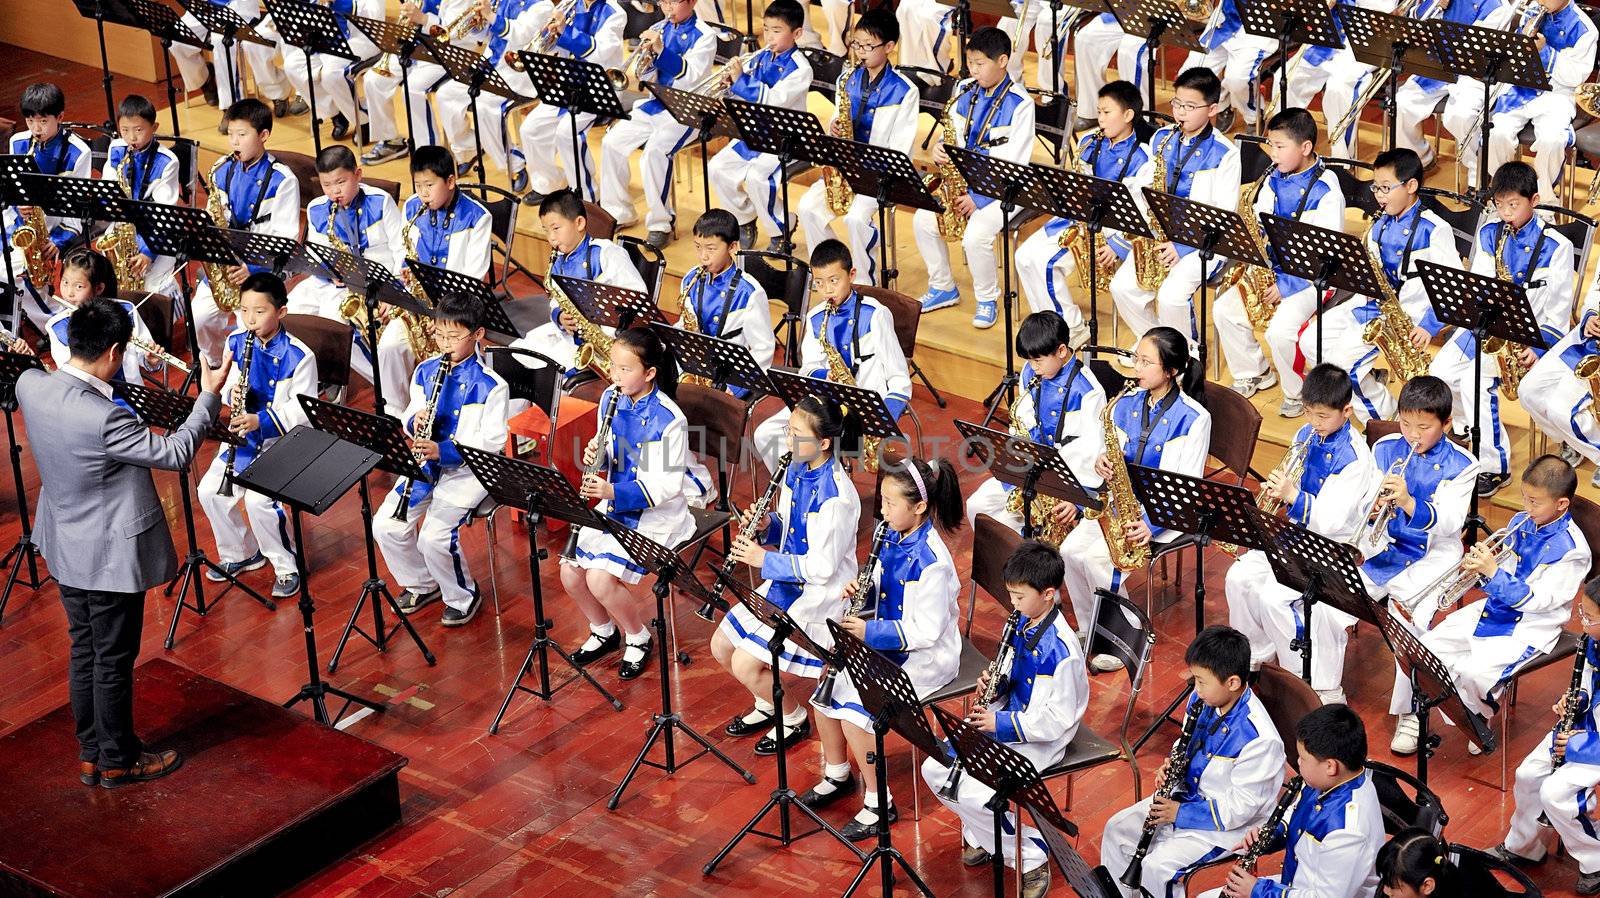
x,y
380,90
1551,115
1559,403
263,526
750,188
424,551
1238,337
262,59
1172,853
977,243
1478,664
550,340
925,39
1347,76
1093,46
990,499
546,135
860,226
1046,271
1271,615
1236,62
661,137
1343,345
770,440
977,821
1562,795
1171,305
335,87
1415,103
1455,367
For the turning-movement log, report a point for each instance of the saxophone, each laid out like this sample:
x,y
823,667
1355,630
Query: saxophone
x,y
840,196
1075,238
120,242
1253,281
1120,504
417,336
468,21
1391,330
236,407
948,180
544,41
999,676
689,318
422,427
756,517
1506,353
1288,470
1046,530
824,694
1252,856
1177,763
353,308
32,236
223,290
1147,262
840,373
1588,368
1572,703
595,348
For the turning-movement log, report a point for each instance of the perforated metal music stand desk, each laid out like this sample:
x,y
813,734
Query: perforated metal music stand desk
x,y
1321,570
163,25
723,362
866,414
608,305
280,254
1031,467
890,177
1098,203
12,365
479,74
437,282
314,29
309,470
1211,230
1155,21
1323,256
220,19
12,167
1495,57
706,115
186,234
577,86
1432,686
788,134
1402,44
1086,882
375,284
1302,21
397,39
382,435
538,492
64,196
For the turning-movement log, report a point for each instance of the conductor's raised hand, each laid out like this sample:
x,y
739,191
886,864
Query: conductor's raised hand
x,y
211,379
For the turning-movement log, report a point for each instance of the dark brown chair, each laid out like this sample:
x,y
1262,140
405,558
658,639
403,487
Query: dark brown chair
x,y
1377,430
155,310
988,566
598,222
907,314
716,434
1586,514
387,186
1287,698
329,341
305,171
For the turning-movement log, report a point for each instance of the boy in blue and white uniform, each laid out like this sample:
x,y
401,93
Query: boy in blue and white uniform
x,y
1201,164
727,302
261,195
1235,55
1301,187
1333,835
686,48
1417,96
1231,773
423,552
1539,258
1060,404
1557,400
1330,496
151,173
281,370
747,182
1113,153
993,115
365,219
1036,713
513,25
422,79
884,110
1528,596
594,35
335,76
1092,48
1336,75
57,152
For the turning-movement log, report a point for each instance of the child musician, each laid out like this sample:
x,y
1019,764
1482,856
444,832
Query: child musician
x,y
1329,495
575,255
1235,55
642,486
726,302
281,369
1060,405
1558,777
1300,187
1232,768
1036,713
993,115
365,220
1113,152
859,329
1521,247
151,172
747,182
1416,864
813,526
85,275
1403,233
1528,595
1557,400
228,79
1566,38
1417,97
335,76
915,627
1160,424
57,152
261,195
1333,836
685,48
463,405
469,20
1426,489
883,113
1200,164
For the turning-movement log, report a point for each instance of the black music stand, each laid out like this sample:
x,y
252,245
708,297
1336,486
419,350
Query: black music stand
x,y
437,281
1321,570
1087,882
376,285
1210,230
669,570
890,177
1401,44
186,234
1323,256
539,492
280,254
314,29
576,85
1207,509
1028,466
1098,203
163,25
1495,57
1012,777
783,799
220,19
382,435
706,115
13,193
12,364
168,411
788,134
309,470
478,73
889,697
102,11
1303,21
993,177
1155,21
1487,307
63,196
399,40
610,306
1431,687
723,362
866,414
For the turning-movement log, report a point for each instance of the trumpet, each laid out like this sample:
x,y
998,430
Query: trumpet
x,y
1451,586
545,40
469,21
720,80
1382,511
643,59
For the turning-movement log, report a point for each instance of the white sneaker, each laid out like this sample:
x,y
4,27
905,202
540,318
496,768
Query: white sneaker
x,y
1249,386
1406,730
1473,749
1105,663
1334,696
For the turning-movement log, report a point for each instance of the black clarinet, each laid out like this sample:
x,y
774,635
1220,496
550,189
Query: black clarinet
x,y
237,403
758,513
1177,763
824,693
999,681
425,430
1572,704
1252,856
601,438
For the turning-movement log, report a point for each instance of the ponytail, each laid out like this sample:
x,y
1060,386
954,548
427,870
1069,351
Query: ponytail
x,y
1413,856
937,484
1172,349
652,353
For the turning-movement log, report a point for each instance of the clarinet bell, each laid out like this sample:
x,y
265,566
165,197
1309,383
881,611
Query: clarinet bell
x,y
226,489
952,783
824,694
1133,877
707,612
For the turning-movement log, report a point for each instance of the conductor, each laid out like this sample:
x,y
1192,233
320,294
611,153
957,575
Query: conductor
x,y
102,529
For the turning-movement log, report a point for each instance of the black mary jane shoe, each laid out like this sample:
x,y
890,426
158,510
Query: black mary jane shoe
x,y
738,728
857,831
631,670
814,799
795,735
584,657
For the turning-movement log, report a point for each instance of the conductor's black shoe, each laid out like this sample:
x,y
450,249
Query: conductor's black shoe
x,y
738,727
1588,883
792,736
88,773
814,799
341,127
455,617
1489,484
410,602
597,647
857,831
235,568
631,670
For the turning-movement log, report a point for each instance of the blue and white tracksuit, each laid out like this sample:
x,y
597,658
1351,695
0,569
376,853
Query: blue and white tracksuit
x,y
133,358
1417,96
262,197
1236,56
269,79
152,174
1417,548
593,259
335,76
1558,401
749,184
63,154
421,80
1339,77
732,305
1563,794
514,24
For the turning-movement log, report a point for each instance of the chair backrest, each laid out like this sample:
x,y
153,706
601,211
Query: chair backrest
x,y
1482,875
997,542
1235,424
1253,159
1405,800
637,21
785,278
1052,119
1111,380
8,127
598,222
825,71
1577,228
387,186
528,375
502,206
906,312
328,340
155,310
934,88
305,171
1357,189
648,261
188,152
729,43
1287,698
1586,514
716,429
1121,630
1377,430
1460,213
